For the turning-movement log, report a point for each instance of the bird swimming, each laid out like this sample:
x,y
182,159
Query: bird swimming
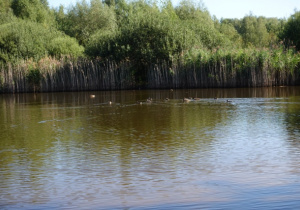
x,y
187,99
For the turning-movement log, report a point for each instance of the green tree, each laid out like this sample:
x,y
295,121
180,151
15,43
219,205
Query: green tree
x,y
254,31
291,32
5,5
274,27
197,21
25,39
60,18
7,16
229,31
83,19
144,36
33,10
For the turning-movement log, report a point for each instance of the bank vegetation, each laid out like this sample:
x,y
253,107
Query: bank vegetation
x,y
108,45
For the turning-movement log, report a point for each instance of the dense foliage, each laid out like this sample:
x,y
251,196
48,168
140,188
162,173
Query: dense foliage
x,y
291,32
28,30
143,33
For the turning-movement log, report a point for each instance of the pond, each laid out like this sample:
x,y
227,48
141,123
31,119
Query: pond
x,y
228,149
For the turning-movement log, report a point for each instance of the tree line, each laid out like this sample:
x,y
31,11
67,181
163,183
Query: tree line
x,y
141,32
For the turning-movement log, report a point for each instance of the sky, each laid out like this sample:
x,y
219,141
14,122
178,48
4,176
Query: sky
x,y
232,8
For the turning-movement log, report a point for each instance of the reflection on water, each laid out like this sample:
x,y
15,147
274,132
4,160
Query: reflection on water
x,y
68,150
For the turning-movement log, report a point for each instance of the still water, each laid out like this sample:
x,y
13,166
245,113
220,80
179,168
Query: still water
x,y
73,151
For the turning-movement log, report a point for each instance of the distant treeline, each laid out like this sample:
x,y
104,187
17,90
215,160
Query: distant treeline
x,y
118,44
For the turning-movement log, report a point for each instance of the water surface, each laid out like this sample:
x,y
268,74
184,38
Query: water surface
x,y
71,151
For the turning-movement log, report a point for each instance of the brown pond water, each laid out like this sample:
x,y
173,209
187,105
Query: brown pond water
x,y
71,151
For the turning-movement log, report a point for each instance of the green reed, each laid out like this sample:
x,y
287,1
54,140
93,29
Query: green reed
x,y
194,69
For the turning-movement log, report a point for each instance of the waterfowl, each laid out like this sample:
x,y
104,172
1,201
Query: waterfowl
x,y
228,101
196,99
149,100
110,102
166,99
187,99
92,96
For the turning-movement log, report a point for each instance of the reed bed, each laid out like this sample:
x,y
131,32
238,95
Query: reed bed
x,y
65,75
223,69
201,69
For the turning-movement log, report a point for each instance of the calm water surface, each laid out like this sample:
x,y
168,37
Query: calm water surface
x,y
71,151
